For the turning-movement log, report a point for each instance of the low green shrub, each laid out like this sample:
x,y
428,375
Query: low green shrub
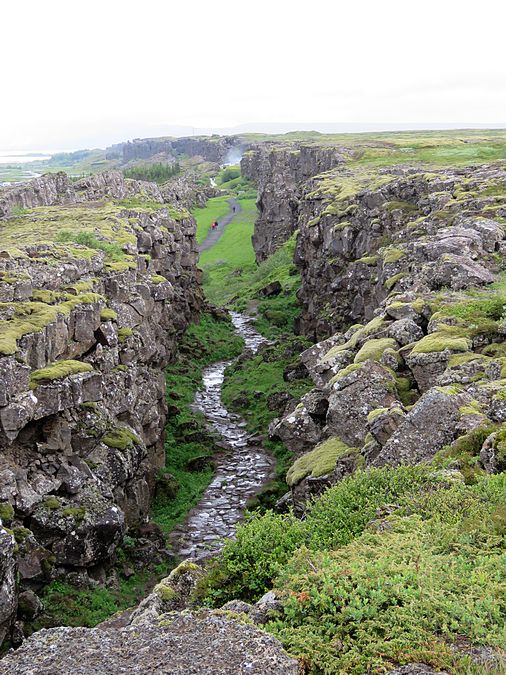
x,y
365,592
248,565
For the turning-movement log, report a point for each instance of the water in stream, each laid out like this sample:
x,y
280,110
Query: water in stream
x,y
241,470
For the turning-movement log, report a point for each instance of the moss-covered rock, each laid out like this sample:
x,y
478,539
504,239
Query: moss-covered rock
x,y
320,461
6,512
373,349
57,371
108,314
439,342
120,438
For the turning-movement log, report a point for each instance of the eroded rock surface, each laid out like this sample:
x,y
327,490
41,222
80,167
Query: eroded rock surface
x,y
93,298
280,171
408,260
203,643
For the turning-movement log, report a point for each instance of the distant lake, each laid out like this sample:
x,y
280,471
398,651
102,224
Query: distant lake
x,y
22,156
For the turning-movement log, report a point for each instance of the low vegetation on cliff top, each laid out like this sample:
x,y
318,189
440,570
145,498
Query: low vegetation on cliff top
x,y
365,587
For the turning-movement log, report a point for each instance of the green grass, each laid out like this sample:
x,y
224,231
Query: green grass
x,y
234,246
216,208
204,343
230,179
359,598
67,605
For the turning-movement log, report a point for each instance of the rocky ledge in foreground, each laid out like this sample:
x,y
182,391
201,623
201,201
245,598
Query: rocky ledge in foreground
x,y
157,639
177,643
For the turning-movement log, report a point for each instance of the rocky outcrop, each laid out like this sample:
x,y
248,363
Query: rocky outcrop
x,y
280,171
411,258
210,148
202,643
187,191
364,235
142,148
57,188
156,639
93,298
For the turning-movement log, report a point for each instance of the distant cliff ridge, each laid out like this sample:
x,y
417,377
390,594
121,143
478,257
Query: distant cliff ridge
x,y
210,148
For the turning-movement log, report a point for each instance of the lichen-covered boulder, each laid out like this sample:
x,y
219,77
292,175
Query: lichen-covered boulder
x,y
354,396
79,533
179,643
429,426
299,430
493,452
169,594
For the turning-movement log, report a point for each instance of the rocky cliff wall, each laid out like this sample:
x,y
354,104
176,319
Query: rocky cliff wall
x,y
279,172
53,189
211,148
359,229
415,262
186,190
94,293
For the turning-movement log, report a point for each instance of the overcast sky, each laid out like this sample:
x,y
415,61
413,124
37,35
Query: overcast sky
x,y
88,74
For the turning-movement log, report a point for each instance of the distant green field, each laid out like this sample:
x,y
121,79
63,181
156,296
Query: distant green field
x,y
216,208
232,252
437,148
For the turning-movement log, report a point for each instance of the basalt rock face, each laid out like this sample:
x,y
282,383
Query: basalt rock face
x,y
210,148
56,188
358,231
86,330
213,148
280,171
187,191
409,260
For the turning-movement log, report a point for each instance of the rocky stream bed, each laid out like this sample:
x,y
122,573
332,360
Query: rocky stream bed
x,y
242,469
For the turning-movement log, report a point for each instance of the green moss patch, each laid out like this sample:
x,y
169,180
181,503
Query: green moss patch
x,y
6,512
361,331
373,349
120,438
320,461
441,341
124,333
108,314
368,260
32,317
57,371
392,254
392,281
157,279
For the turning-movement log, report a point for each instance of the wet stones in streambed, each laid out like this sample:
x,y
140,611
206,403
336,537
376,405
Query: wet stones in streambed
x,y
241,470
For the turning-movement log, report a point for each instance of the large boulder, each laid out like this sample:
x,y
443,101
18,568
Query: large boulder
x,y
202,643
354,396
429,426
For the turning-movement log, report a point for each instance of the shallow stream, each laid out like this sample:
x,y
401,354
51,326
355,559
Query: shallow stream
x,y
242,469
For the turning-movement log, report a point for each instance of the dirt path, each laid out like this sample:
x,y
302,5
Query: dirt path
x,y
214,235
